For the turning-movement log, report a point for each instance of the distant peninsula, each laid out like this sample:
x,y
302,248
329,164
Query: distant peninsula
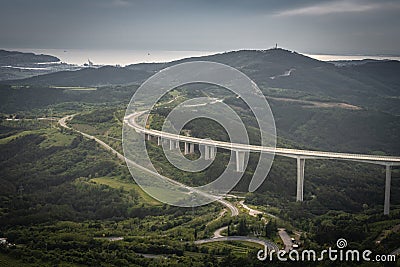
x,y
15,57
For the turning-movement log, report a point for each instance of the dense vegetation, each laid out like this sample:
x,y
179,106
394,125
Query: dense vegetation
x,y
64,199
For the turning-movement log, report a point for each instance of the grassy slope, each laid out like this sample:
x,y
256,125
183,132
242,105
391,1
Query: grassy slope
x,y
116,183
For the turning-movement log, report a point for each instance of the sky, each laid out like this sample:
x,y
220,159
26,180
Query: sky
x,y
309,26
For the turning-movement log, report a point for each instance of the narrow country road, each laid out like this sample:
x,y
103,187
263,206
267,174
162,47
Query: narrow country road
x,y
217,232
270,245
285,74
221,214
253,212
286,239
63,123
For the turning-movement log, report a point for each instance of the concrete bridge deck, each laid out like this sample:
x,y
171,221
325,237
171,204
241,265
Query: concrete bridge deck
x,y
240,149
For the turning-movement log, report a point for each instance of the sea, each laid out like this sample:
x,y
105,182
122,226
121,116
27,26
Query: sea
x,y
126,57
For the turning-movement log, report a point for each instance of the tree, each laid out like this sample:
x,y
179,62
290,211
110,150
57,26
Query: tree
x,y
242,227
270,228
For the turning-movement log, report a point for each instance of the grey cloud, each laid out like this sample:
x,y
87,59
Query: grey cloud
x,y
362,26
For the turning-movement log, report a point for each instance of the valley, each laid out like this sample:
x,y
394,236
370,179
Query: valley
x,y
67,192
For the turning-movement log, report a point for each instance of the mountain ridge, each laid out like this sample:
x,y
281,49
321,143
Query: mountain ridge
x,y
373,84
16,57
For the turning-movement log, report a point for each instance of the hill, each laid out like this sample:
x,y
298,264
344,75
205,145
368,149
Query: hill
x,y
319,105
106,75
15,57
278,72
65,198
17,65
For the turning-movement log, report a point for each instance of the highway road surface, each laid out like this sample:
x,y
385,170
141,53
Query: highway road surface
x,y
376,159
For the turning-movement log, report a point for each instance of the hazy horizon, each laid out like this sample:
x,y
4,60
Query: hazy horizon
x,y
125,56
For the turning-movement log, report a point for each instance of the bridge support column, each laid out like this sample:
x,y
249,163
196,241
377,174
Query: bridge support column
x,y
171,144
186,148
212,152
300,178
206,152
158,140
148,137
240,160
386,207
191,148
177,145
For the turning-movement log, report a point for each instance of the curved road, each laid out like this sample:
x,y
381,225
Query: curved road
x,y
217,234
230,206
287,152
252,212
287,241
270,245
130,120
221,214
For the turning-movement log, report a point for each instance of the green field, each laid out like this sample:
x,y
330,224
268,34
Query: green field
x,y
115,182
55,138
18,135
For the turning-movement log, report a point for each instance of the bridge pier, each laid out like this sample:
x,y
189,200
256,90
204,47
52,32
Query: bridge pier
x,y
209,152
300,178
186,148
171,144
191,148
240,160
158,140
386,207
148,137
206,152
212,152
